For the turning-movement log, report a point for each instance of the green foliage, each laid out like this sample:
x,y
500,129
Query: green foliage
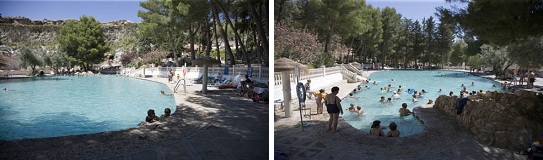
x,y
458,53
128,42
528,53
475,61
497,57
214,53
391,26
59,60
500,22
444,40
29,59
83,41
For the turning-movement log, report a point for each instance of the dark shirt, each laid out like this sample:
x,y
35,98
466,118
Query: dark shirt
x,y
248,81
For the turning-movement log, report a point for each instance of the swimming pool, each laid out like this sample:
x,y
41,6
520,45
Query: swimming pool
x,y
430,81
60,106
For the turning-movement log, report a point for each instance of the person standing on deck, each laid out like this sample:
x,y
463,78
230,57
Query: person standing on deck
x,y
333,106
531,79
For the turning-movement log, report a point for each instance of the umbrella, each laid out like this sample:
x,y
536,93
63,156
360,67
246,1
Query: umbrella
x,y
205,61
285,64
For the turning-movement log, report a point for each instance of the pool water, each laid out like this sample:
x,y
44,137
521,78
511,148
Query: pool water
x,y
61,106
430,81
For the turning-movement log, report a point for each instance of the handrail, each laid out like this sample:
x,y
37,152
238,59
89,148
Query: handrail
x,y
349,75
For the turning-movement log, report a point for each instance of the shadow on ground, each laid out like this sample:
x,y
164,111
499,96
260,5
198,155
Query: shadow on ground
x,y
442,138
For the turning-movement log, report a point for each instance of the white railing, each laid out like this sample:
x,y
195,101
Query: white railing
x,y
305,75
349,75
353,69
195,72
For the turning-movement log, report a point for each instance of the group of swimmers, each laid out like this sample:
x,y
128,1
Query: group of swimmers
x,y
396,94
376,129
152,118
358,109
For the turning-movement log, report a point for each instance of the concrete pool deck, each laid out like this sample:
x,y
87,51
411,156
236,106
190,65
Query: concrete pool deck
x,y
204,126
442,138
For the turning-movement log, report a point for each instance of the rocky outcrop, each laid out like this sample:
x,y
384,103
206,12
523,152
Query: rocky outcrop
x,y
499,119
40,35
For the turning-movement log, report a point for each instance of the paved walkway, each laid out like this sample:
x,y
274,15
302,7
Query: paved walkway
x,y
442,138
237,128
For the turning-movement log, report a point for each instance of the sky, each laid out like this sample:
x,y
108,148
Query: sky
x,y
102,10
109,10
414,9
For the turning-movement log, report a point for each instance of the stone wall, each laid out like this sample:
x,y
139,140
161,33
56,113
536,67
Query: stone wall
x,y
498,119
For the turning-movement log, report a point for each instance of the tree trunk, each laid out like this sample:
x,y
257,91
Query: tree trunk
x,y
208,38
260,28
170,35
228,22
228,51
191,39
328,41
279,15
217,47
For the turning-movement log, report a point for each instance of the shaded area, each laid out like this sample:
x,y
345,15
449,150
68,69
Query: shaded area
x,y
182,123
441,138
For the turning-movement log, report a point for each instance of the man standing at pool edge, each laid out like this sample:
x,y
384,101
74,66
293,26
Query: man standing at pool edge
x,y
333,106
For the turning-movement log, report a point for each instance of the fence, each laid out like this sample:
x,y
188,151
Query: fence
x,y
304,75
195,72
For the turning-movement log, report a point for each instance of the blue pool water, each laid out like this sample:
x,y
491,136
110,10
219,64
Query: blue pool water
x,y
61,106
430,81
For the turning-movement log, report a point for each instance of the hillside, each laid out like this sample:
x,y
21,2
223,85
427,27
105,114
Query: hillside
x,y
40,35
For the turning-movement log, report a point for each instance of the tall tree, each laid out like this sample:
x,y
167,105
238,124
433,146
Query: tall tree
x,y
391,24
429,34
528,53
29,59
418,42
369,41
83,41
444,41
458,52
496,57
500,22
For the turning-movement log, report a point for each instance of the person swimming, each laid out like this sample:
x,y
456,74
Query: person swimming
x,y
396,95
360,111
164,93
382,99
351,108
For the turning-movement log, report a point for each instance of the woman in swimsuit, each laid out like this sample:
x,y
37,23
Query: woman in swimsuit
x,y
394,132
376,129
333,106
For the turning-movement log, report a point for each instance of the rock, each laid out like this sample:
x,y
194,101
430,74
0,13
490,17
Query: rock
x,y
497,120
